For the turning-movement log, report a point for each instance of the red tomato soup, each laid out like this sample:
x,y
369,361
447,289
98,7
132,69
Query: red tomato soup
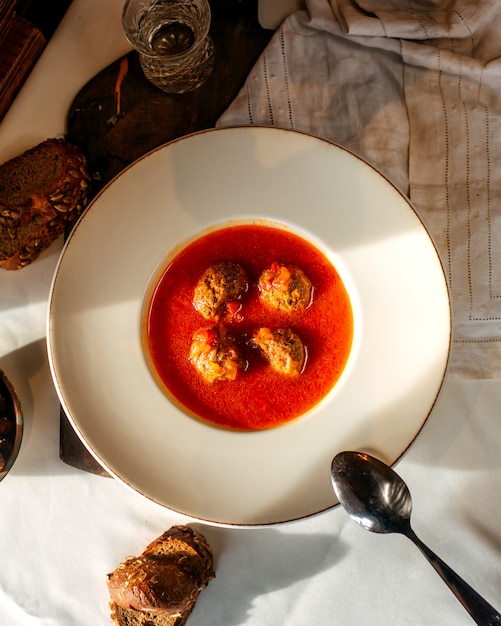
x,y
259,397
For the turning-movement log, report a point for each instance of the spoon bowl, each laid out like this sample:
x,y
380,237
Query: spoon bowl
x,y
372,493
375,497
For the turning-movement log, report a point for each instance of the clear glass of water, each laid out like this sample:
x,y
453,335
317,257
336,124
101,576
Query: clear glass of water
x,y
172,38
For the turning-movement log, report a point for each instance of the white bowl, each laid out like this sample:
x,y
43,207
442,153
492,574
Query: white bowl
x,y
320,191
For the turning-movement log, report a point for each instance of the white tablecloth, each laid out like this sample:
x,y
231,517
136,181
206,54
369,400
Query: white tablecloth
x,y
62,530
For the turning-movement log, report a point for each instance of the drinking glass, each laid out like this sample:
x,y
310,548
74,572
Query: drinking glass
x,y
172,38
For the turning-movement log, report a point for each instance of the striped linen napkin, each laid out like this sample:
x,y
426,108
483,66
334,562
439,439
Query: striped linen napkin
x,y
415,89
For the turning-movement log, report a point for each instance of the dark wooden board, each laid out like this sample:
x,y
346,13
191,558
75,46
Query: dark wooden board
x,y
119,116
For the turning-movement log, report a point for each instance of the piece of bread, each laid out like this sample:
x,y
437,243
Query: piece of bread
x,y
41,191
161,586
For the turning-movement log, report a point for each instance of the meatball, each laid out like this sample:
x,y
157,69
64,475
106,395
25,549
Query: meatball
x,y
220,284
285,287
282,348
214,355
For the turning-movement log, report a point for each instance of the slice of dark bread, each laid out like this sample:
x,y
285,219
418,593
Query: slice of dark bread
x,y
161,586
41,191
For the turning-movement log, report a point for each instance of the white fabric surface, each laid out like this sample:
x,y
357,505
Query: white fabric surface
x,y
414,89
62,530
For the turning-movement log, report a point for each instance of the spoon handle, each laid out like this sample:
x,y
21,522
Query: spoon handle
x,y
481,611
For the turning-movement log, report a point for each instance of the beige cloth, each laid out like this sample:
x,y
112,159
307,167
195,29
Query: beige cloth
x,y
414,88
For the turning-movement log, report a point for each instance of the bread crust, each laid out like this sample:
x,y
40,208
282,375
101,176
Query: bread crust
x,y
41,192
162,585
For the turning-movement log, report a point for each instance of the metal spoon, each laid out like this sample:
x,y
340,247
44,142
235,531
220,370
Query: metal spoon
x,y
378,499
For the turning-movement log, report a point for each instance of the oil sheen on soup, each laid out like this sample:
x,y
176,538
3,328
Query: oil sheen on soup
x,y
248,327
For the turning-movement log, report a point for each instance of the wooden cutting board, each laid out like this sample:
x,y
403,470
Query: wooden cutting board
x,y
118,116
